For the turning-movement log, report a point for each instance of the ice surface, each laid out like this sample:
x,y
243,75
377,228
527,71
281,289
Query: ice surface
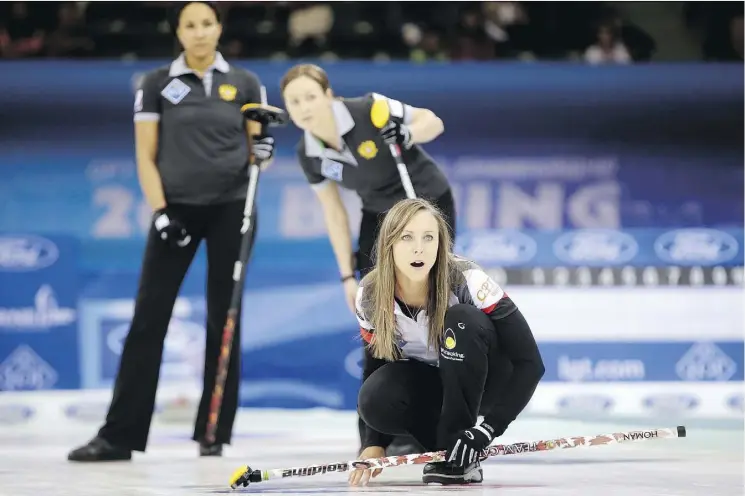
x,y
33,461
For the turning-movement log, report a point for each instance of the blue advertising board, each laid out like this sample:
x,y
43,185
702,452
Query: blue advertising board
x,y
625,361
526,146
38,312
604,247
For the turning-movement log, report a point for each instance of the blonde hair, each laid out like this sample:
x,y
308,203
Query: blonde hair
x,y
380,283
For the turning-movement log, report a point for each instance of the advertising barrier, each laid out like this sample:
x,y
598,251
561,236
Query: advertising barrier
x,y
38,312
604,247
587,337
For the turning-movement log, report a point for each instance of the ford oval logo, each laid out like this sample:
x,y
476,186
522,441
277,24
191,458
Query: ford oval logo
x,y
26,253
696,247
184,338
353,363
502,247
595,247
11,413
670,402
736,402
585,403
87,411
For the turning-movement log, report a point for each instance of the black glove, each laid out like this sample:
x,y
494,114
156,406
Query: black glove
x,y
469,444
170,230
396,132
263,148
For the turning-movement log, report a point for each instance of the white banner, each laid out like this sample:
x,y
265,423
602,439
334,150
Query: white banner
x,y
634,314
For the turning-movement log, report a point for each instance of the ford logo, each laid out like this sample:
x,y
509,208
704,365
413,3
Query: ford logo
x,y
595,247
502,247
735,402
696,247
585,403
667,403
353,362
11,413
184,338
26,253
93,411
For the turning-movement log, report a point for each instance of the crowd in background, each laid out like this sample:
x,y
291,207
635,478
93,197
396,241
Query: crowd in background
x,y
419,31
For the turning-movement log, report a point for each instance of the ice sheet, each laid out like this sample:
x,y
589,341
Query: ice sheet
x,y
33,462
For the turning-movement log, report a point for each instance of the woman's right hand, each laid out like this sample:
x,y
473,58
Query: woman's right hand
x,y
359,476
350,293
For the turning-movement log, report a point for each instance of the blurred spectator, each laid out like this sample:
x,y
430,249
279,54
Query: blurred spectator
x,y
502,21
609,49
233,49
471,40
430,31
428,47
719,25
309,27
69,38
640,45
736,36
20,36
723,35
725,44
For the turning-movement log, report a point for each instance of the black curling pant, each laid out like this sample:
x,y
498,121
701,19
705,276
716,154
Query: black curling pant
x,y
369,230
432,404
163,271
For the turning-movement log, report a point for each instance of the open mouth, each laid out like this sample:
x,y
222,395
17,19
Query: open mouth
x,y
417,265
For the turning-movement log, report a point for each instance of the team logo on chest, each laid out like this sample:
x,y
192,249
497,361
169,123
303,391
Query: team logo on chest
x,y
175,91
331,169
367,150
227,92
449,341
447,350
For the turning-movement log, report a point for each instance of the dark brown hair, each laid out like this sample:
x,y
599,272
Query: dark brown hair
x,y
175,20
180,6
308,70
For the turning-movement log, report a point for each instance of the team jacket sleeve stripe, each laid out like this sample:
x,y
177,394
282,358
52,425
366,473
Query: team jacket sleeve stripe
x,y
146,117
490,308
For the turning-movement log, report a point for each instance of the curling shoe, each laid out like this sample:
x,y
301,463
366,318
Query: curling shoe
x,y
210,449
448,473
99,450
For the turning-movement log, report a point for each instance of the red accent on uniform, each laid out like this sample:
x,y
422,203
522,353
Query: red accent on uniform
x,y
366,335
490,308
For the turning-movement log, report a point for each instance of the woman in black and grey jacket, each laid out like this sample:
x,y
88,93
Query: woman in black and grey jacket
x,y
192,161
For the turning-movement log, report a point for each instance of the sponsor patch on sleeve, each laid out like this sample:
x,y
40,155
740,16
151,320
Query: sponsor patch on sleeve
x,y
485,292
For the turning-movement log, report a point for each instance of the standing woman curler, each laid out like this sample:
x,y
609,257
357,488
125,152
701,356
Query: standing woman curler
x,y
192,146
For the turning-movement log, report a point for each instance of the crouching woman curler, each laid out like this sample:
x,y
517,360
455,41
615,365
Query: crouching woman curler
x,y
457,360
